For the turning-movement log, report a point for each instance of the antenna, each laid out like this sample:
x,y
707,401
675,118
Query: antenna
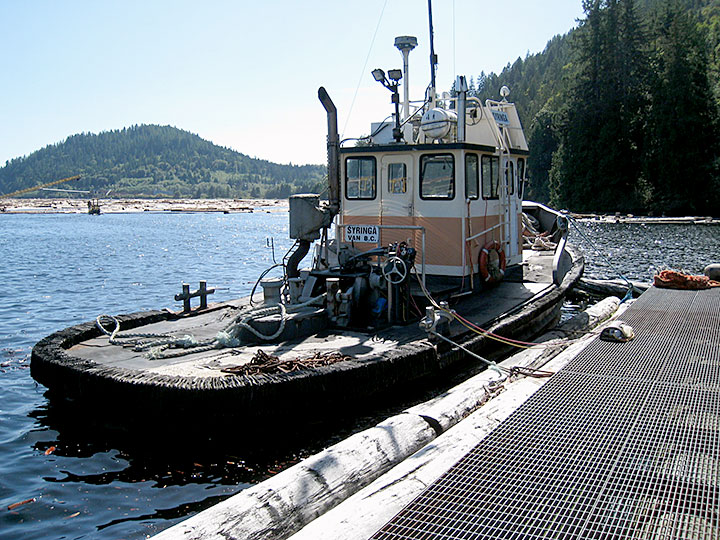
x,y
433,56
405,44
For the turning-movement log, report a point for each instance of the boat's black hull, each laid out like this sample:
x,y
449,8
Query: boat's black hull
x,y
128,396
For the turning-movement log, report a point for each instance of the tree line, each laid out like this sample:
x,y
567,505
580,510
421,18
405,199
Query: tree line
x,y
622,113
157,161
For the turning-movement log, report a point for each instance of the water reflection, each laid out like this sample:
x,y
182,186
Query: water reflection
x,y
104,479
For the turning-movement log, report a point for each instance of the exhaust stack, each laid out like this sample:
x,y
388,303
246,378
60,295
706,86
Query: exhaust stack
x,y
333,151
307,217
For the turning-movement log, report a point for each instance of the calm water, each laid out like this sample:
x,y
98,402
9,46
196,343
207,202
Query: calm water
x,y
59,270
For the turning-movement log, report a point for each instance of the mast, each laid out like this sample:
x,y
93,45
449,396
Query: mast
x,y
405,44
433,57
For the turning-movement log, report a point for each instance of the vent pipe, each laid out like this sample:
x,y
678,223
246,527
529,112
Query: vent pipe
x,y
461,87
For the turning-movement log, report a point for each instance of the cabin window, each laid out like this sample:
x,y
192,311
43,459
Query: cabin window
x,y
471,176
360,178
521,176
397,178
510,177
437,176
490,177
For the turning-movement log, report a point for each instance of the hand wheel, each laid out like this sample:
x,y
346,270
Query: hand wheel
x,y
394,270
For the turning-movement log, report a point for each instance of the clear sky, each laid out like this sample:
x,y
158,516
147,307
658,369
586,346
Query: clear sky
x,y
241,74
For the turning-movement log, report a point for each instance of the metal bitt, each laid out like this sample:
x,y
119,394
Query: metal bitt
x,y
186,295
436,321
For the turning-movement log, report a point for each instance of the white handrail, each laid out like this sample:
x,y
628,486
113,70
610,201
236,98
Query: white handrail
x,y
474,236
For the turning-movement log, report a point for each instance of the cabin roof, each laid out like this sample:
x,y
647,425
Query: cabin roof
x,y
426,148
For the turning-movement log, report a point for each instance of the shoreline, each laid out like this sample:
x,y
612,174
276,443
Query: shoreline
x,y
645,220
136,205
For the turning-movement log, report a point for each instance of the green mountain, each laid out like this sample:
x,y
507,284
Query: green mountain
x,y
621,113
156,161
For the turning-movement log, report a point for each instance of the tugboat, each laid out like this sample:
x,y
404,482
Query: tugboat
x,y
418,264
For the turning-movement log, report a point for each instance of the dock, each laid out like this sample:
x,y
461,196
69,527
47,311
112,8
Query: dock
x,y
623,442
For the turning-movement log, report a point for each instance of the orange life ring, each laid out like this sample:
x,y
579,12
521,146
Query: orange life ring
x,y
492,268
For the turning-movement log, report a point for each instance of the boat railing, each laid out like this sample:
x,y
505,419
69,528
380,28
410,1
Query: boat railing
x,y
401,227
482,233
500,136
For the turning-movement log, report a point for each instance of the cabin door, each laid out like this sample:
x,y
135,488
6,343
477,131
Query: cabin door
x,y
396,197
513,207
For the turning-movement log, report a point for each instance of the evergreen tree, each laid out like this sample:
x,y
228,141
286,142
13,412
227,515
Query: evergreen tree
x,y
544,144
149,161
598,166
682,125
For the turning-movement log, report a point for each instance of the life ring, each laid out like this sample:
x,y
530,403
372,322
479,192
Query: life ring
x,y
492,262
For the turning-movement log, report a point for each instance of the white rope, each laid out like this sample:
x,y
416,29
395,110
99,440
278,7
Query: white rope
x,y
489,363
245,322
157,344
114,338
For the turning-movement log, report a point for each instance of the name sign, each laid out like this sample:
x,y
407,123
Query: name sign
x,y
362,233
501,118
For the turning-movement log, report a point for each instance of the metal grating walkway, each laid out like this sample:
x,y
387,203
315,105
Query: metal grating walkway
x,y
624,442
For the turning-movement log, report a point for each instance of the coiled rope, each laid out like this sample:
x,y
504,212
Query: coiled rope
x,y
156,345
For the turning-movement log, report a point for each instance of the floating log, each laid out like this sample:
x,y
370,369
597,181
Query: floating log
x,y
285,503
367,510
291,499
647,220
611,287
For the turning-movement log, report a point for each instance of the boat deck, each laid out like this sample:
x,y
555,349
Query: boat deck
x,y
359,345
624,442
320,371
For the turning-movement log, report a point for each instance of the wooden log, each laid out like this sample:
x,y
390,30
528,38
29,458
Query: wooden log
x,y
362,514
589,318
291,499
366,511
610,287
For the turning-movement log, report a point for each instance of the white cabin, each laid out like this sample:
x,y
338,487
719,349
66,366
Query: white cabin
x,y
451,186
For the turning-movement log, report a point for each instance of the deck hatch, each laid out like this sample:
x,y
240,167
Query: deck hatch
x,y
624,442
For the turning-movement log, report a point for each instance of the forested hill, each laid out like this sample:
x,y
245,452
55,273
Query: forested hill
x,y
156,161
622,113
